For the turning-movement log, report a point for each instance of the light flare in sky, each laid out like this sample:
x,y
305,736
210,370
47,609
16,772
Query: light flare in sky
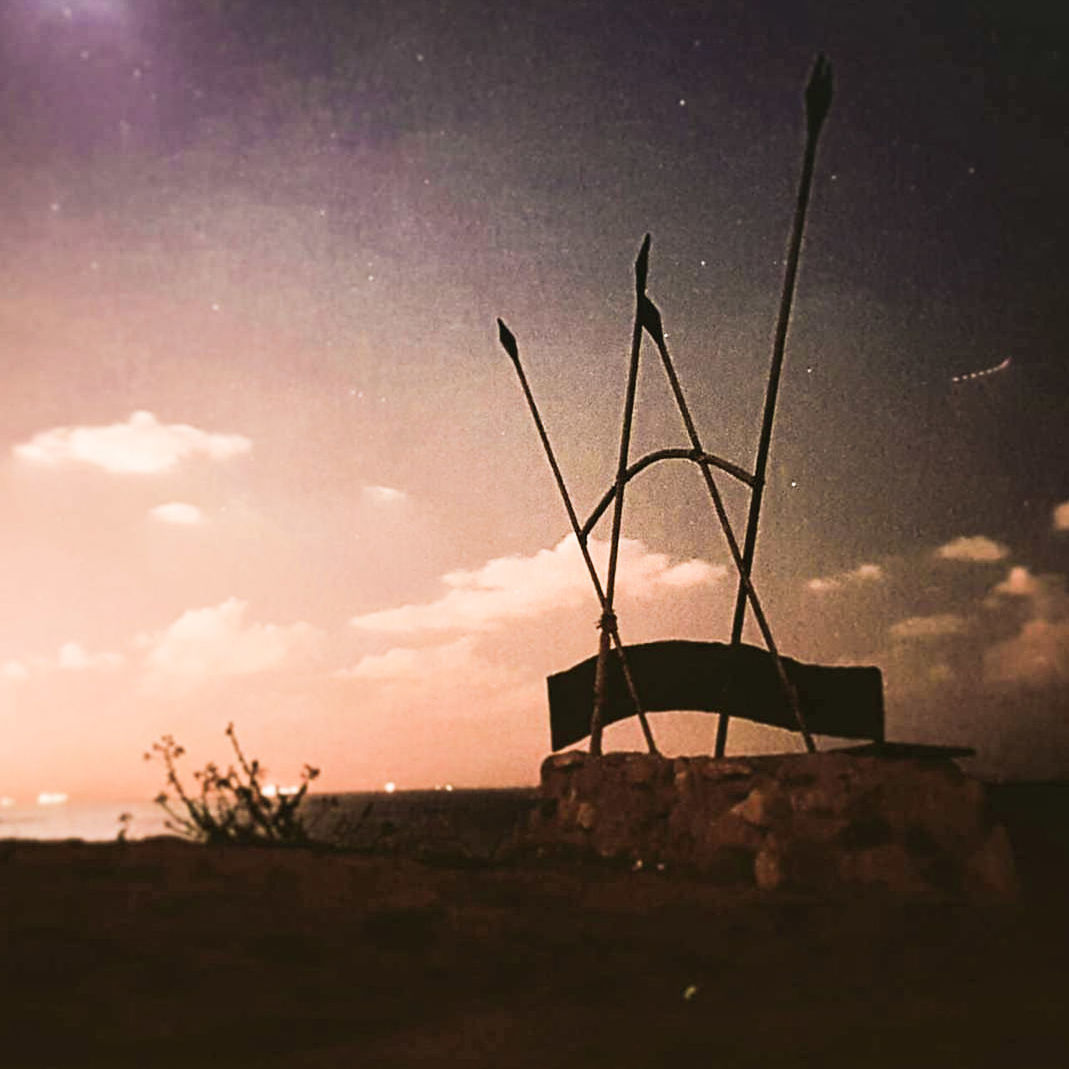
x,y
983,373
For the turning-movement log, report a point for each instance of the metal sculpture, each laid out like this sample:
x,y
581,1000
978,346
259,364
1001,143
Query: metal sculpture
x,y
622,680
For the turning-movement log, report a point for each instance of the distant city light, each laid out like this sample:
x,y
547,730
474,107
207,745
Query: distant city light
x,y
272,790
51,798
390,787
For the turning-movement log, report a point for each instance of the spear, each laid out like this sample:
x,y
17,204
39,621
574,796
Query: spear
x,y
608,617
609,629
817,101
651,321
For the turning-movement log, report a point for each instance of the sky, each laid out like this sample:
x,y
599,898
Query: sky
x,y
263,460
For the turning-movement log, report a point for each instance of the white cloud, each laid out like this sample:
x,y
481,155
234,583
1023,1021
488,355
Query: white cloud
x,y
394,663
14,670
1037,655
508,588
867,573
1044,595
822,586
941,673
693,572
384,495
178,512
217,641
1020,583
429,665
924,627
142,445
863,573
447,693
72,657
977,548
1061,516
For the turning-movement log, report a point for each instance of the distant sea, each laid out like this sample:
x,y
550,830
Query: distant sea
x,y
469,820
80,820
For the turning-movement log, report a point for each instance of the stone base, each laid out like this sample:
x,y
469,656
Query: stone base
x,y
822,822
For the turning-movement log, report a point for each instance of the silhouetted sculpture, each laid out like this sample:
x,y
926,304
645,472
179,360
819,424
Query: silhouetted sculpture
x,y
735,679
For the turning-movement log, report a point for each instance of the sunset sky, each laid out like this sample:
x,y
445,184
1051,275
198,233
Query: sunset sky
x,y
263,459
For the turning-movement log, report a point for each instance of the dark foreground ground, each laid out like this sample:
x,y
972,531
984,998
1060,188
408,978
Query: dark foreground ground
x,y
160,953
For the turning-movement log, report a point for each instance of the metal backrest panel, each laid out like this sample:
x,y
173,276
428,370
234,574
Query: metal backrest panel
x,y
713,677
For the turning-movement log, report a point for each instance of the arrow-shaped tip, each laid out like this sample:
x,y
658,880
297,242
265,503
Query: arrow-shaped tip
x,y
819,91
650,318
642,265
508,341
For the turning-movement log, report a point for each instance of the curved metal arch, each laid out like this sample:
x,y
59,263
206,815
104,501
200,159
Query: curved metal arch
x,y
677,453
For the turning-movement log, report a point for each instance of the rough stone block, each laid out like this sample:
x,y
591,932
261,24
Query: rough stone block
x,y
804,822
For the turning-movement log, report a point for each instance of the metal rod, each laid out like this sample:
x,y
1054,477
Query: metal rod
x,y
672,453
817,101
608,616
508,343
651,320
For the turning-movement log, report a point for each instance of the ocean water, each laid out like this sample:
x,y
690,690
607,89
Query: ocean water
x,y
92,821
471,821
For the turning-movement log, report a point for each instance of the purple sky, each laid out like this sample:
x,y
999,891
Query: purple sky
x,y
264,460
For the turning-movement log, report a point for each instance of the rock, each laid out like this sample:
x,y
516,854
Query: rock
x,y
815,800
809,823
639,771
719,768
888,866
564,761
731,829
730,866
760,808
768,867
990,871
866,832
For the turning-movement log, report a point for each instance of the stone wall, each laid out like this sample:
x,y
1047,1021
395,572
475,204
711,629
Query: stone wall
x,y
820,822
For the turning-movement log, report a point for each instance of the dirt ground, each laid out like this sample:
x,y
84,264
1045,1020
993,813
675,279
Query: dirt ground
x,y
161,953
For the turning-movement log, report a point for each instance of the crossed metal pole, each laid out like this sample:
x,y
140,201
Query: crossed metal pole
x,y
818,95
610,630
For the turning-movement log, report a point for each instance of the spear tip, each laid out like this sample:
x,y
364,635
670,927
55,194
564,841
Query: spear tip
x,y
650,318
818,92
642,265
508,341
